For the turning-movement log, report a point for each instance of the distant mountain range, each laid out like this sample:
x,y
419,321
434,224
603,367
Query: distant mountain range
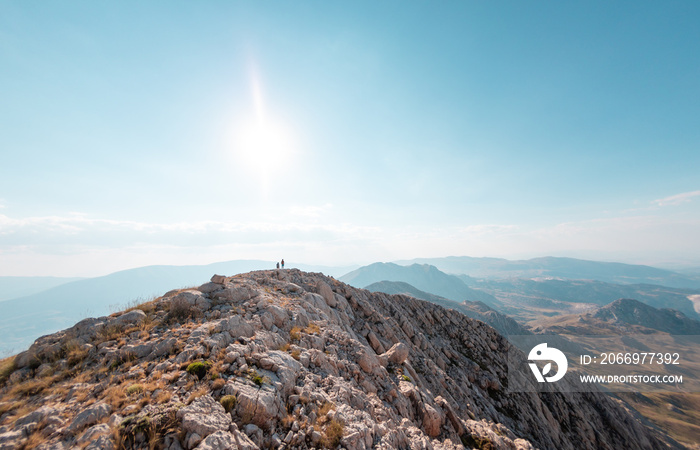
x,y
621,317
43,304
521,297
14,287
566,268
422,276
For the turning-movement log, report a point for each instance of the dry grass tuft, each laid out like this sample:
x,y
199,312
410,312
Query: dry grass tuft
x,y
333,434
295,334
33,386
312,329
7,366
134,389
201,390
180,311
325,409
163,396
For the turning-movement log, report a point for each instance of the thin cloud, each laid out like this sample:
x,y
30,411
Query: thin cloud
x,y
489,229
678,199
310,211
77,231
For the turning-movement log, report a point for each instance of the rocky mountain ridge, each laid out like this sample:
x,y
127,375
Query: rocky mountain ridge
x,y
287,359
476,310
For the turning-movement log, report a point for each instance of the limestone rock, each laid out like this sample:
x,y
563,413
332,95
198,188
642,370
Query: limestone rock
x,y
261,406
134,317
89,416
204,417
302,357
218,279
238,326
398,353
223,440
101,443
94,432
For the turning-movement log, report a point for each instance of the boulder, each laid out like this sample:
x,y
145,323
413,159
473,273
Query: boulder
x,y
101,443
224,440
234,294
259,405
279,315
219,279
398,353
204,417
134,317
237,326
94,432
366,360
193,298
432,420
37,416
89,416
327,294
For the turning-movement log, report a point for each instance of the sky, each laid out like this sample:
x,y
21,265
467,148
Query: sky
x,y
337,133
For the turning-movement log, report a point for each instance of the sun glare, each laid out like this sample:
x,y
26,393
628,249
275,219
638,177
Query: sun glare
x,y
263,144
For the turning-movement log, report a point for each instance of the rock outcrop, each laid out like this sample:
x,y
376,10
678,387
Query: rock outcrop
x,y
287,359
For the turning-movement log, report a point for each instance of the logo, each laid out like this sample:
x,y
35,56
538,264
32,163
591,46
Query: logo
x,y
542,353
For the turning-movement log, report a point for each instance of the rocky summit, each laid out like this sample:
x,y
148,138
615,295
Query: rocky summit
x,y
287,359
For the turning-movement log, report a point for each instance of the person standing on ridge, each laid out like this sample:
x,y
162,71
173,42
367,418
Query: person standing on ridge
x,y
278,265
283,263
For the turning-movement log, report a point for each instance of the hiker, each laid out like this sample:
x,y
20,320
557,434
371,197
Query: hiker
x,y
283,263
278,265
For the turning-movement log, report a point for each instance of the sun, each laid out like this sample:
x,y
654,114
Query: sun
x,y
263,145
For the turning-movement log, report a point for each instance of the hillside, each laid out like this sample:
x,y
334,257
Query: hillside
x,y
674,412
286,359
566,268
14,287
424,277
631,312
476,310
26,318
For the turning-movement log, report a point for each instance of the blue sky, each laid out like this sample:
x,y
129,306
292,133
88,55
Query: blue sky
x,y
136,133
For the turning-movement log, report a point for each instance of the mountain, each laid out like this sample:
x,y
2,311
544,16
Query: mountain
x,y
676,413
527,298
424,277
399,287
287,359
476,310
24,319
631,312
621,317
13,287
566,268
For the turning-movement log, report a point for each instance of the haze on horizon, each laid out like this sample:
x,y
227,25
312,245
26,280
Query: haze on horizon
x,y
346,133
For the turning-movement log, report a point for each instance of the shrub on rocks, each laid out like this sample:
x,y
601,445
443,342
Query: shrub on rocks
x,y
228,402
181,310
199,369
